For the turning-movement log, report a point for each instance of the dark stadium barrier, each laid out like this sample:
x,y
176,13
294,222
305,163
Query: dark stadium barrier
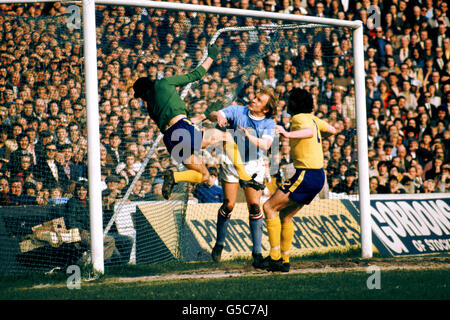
x,y
325,225
167,231
413,224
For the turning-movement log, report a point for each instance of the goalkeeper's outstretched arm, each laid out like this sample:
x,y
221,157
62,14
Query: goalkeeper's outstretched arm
x,y
213,51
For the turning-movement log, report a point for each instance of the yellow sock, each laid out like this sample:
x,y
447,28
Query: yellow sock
x,y
287,234
232,151
274,231
188,176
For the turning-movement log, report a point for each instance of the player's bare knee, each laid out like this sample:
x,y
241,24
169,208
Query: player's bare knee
x,y
228,204
226,208
266,207
254,211
286,219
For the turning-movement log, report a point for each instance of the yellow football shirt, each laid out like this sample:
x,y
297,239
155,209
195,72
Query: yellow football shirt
x,y
307,153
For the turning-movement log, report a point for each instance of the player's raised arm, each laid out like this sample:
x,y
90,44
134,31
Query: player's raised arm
x,y
331,129
298,134
219,117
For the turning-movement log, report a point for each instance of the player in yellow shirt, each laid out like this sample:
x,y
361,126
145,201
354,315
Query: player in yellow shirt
x,y
305,140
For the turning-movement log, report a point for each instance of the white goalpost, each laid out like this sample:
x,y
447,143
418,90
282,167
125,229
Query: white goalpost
x,y
97,229
91,87
94,166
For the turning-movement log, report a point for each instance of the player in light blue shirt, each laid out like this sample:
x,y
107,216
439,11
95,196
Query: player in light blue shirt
x,y
261,127
250,129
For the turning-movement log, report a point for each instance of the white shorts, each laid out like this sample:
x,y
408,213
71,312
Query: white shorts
x,y
228,173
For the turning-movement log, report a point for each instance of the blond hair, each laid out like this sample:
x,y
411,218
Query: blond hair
x,y
272,103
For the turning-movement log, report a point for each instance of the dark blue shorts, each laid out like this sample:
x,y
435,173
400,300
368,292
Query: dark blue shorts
x,y
304,185
183,139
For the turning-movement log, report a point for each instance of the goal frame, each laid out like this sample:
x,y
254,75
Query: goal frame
x,y
91,86
359,76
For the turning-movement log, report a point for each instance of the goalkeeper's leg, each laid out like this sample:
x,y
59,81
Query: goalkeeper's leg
x,y
196,173
183,140
214,137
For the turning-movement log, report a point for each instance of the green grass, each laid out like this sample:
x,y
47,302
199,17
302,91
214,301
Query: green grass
x,y
413,284
35,278
396,284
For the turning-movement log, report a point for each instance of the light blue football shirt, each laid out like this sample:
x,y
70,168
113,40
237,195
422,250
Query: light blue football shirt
x,y
259,127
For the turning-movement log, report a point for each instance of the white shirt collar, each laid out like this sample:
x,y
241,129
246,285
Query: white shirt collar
x,y
255,117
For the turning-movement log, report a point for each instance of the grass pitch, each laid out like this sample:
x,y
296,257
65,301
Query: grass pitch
x,y
334,276
393,284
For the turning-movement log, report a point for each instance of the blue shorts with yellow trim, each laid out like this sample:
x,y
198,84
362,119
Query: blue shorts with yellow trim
x,y
304,185
182,139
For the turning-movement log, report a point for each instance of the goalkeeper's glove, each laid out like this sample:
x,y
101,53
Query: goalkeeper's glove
x,y
213,51
215,106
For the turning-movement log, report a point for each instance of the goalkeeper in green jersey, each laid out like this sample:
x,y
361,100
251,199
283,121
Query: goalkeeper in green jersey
x,y
181,137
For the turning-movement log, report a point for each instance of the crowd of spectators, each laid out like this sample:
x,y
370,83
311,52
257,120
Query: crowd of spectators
x,y
43,132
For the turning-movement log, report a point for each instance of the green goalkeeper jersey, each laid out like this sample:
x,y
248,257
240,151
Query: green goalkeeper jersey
x,y
166,102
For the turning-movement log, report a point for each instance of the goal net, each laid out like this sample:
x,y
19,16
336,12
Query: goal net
x,y
46,224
